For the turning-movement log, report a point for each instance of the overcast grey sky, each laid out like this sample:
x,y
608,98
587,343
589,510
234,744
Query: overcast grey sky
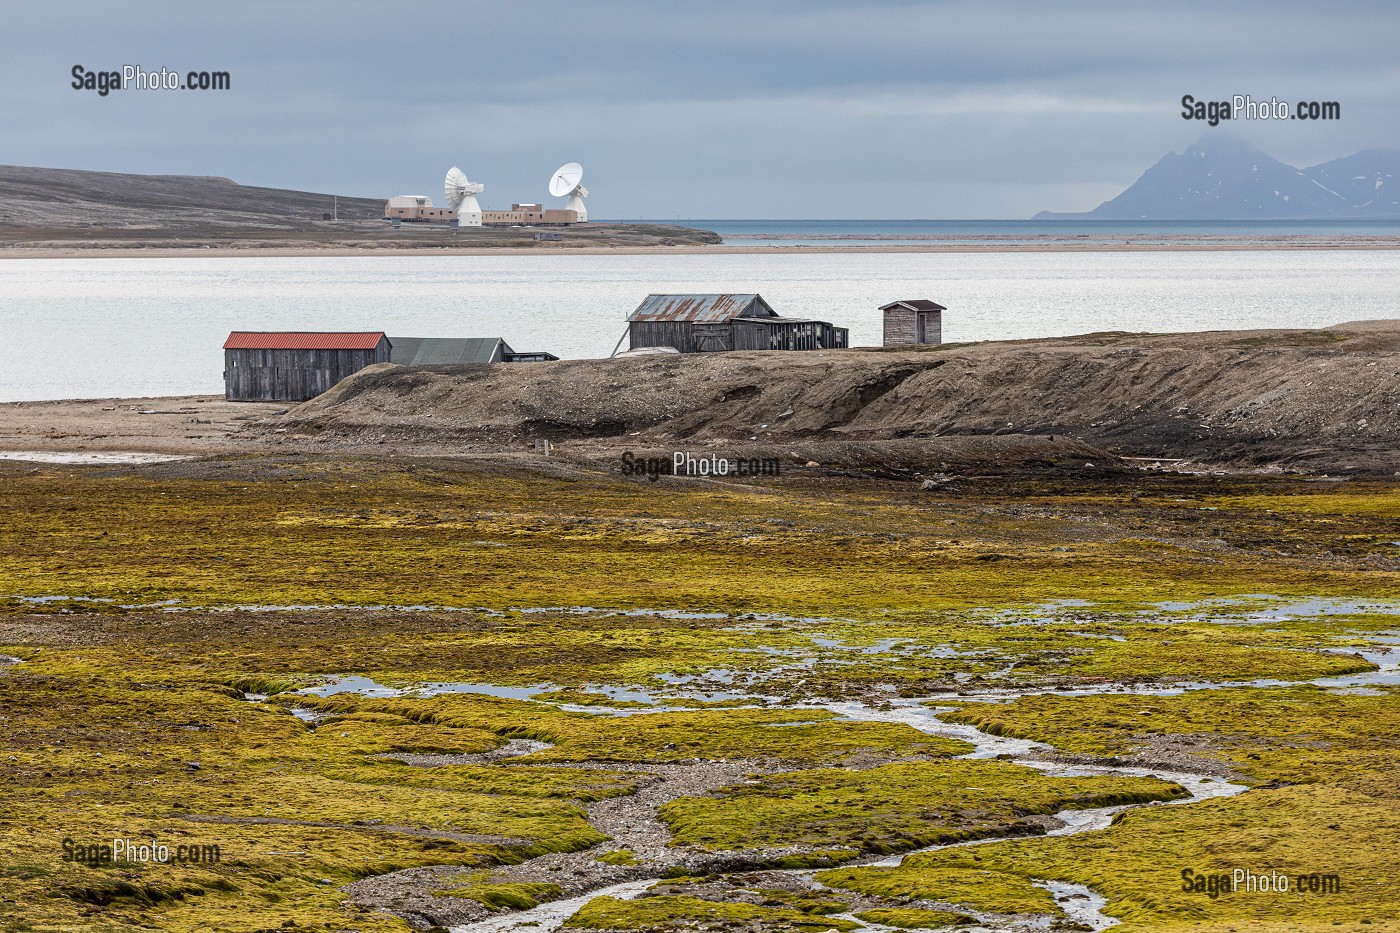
x,y
727,108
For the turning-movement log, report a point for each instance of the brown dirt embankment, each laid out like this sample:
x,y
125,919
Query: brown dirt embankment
x,y
1315,400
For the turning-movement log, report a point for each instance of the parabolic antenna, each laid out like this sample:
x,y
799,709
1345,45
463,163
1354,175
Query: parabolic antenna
x,y
567,182
461,195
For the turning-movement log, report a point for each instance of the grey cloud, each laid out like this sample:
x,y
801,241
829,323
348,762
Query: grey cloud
x,y
726,108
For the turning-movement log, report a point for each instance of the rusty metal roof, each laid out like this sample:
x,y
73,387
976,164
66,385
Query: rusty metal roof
x,y
915,304
699,309
302,340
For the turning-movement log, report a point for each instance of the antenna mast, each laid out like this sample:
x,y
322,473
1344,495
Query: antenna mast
x,y
461,196
568,182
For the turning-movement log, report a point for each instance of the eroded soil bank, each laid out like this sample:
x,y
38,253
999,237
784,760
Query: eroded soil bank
x,y
1317,400
1306,401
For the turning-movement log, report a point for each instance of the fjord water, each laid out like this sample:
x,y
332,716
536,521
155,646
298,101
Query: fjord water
x,y
110,327
950,232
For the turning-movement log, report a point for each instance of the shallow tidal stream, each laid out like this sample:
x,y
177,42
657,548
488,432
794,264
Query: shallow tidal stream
x,y
1079,903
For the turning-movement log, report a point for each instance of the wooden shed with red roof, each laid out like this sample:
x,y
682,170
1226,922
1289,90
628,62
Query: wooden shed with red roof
x,y
292,366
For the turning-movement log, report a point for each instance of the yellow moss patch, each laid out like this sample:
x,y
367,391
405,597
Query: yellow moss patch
x,y
894,807
674,912
799,735
909,918
1297,734
454,537
1138,864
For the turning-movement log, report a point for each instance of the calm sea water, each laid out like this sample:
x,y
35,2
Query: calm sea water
x,y
92,328
895,232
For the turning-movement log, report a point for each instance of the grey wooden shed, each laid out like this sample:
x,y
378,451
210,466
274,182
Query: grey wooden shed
x,y
914,321
710,323
459,351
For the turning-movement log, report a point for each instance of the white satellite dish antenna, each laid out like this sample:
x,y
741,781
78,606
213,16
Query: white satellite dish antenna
x,y
566,183
461,196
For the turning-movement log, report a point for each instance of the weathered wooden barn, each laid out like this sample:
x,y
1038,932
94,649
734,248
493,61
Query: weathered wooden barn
x,y
286,366
459,351
914,322
711,323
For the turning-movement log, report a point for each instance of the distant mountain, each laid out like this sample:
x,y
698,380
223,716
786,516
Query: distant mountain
x,y
1224,178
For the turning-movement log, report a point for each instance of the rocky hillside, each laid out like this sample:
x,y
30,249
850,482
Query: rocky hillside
x,y
1316,400
48,197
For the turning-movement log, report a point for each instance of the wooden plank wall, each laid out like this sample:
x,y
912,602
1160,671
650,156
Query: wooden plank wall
x,y
933,327
902,327
900,324
676,334
738,334
291,375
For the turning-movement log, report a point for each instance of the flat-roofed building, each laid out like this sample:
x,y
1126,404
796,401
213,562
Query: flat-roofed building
x,y
417,208
529,214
